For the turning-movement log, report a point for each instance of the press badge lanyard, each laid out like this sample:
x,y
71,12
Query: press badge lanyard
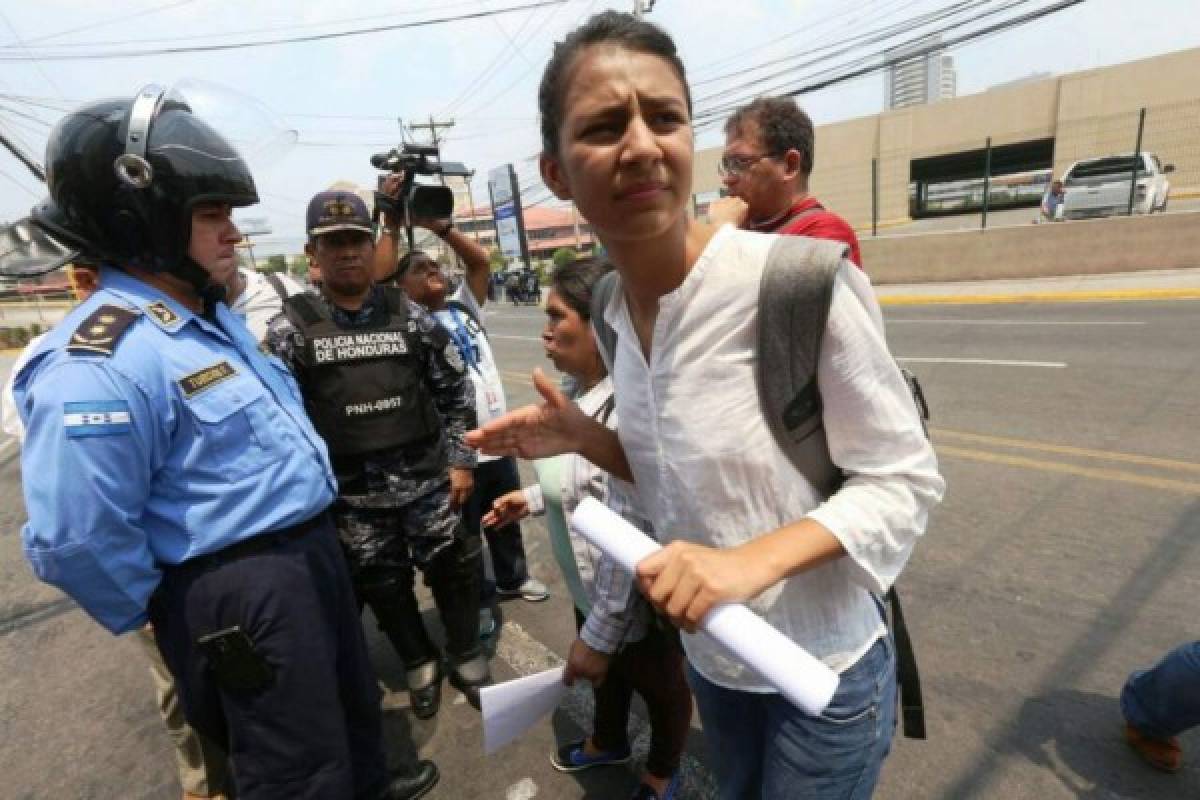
x,y
464,341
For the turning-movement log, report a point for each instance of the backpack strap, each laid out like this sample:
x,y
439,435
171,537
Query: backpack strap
x,y
776,225
793,307
277,285
908,676
458,305
606,336
304,309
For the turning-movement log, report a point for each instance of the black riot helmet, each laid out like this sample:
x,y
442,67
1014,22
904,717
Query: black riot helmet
x,y
124,176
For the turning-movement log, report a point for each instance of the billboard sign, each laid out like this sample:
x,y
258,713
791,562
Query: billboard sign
x,y
506,211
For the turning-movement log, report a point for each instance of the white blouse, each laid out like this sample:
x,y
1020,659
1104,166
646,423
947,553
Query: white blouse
x,y
708,470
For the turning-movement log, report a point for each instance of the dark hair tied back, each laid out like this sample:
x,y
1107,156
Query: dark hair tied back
x,y
608,27
575,281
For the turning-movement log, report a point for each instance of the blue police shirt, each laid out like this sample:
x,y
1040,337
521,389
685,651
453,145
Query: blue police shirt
x,y
183,441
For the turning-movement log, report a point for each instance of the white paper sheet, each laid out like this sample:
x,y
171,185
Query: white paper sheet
x,y
510,709
804,680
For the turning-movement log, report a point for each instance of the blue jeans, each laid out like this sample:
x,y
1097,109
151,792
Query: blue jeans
x,y
765,748
1165,700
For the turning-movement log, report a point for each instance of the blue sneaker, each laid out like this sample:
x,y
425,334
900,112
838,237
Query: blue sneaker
x,y
487,623
645,792
572,758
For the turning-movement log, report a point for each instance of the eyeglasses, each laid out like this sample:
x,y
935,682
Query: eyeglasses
x,y
731,166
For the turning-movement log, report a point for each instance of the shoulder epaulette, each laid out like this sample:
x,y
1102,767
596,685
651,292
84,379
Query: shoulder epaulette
x,y
308,307
102,329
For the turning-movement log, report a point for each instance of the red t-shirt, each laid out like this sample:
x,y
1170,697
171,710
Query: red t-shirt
x,y
820,224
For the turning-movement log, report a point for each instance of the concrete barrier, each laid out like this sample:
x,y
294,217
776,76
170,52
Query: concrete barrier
x,y
1114,244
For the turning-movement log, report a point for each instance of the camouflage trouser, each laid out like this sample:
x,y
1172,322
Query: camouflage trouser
x,y
383,545
397,537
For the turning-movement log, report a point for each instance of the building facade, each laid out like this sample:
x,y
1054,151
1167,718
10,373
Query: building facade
x,y
546,229
927,77
929,159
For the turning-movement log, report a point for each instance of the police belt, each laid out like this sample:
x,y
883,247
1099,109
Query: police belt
x,y
253,546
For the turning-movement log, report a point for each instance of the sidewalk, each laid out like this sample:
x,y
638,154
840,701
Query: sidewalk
x,y
1147,285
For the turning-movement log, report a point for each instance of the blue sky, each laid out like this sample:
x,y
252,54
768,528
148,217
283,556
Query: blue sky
x,y
483,73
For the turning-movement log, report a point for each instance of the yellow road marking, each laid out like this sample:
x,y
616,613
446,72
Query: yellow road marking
x,y
1096,473
1038,297
1062,449
1116,475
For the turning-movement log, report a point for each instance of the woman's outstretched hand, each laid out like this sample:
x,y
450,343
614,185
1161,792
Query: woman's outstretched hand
x,y
507,509
550,428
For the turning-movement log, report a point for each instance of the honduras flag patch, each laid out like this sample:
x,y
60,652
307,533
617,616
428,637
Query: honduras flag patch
x,y
97,419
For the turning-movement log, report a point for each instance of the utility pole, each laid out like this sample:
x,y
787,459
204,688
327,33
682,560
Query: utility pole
x,y
642,7
432,126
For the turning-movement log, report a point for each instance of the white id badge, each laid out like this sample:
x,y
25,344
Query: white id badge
x,y
495,403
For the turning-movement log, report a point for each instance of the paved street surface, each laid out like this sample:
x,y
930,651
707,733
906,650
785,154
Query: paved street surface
x,y
1066,554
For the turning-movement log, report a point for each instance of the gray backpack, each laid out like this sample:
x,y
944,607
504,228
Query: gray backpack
x,y
793,307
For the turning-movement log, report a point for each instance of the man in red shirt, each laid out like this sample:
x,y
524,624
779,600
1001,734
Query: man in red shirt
x,y
767,160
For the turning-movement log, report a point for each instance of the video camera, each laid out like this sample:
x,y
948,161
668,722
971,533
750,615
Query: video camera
x,y
417,200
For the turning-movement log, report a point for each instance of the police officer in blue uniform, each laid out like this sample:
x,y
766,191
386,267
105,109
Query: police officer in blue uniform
x,y
171,473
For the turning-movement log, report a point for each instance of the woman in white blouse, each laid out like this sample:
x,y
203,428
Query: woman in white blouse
x,y
622,646
738,521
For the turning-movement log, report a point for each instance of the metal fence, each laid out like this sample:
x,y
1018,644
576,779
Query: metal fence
x,y
881,192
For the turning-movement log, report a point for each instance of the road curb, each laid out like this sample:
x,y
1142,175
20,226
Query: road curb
x,y
1039,297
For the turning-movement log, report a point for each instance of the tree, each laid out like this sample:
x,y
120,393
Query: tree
x,y
299,267
496,258
276,263
563,256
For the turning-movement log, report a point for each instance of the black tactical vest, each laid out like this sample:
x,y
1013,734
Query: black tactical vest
x,y
363,386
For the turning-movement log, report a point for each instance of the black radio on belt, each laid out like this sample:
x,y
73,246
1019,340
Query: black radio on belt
x,y
234,662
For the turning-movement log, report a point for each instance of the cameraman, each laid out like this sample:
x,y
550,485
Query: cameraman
x,y
461,313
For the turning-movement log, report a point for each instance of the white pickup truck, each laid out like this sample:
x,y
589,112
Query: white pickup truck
x,y
1099,187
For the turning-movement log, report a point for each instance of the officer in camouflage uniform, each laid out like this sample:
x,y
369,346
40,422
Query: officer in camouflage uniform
x,y
388,391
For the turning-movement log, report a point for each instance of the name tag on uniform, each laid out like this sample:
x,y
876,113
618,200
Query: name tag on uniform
x,y
110,418
206,378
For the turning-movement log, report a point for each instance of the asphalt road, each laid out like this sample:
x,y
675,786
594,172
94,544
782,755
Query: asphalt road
x,y
1066,553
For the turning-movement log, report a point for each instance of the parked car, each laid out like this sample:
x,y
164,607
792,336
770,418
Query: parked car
x,y
1099,187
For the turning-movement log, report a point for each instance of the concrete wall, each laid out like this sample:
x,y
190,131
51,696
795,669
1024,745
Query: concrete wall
x,y
1116,244
1089,114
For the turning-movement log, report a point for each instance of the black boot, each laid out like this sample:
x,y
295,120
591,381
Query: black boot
x,y
425,689
453,577
471,676
395,607
415,782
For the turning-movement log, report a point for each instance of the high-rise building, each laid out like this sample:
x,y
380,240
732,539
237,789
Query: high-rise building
x,y
927,77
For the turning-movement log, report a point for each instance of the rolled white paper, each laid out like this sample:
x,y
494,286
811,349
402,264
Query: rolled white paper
x,y
799,677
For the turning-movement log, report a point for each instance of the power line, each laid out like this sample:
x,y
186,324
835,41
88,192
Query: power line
x,y
25,47
762,86
316,37
856,42
807,30
493,98
492,68
711,116
23,187
191,37
104,23
528,66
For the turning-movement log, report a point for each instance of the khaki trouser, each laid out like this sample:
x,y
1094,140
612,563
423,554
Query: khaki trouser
x,y
203,767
